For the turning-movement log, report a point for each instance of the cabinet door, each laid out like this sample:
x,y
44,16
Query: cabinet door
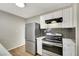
x,y
45,17
39,46
42,23
52,15
57,14
68,47
67,17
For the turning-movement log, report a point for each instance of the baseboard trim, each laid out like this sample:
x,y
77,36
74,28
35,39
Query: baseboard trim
x,y
16,47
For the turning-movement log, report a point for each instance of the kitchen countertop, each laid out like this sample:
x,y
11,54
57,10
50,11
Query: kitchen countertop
x,y
41,37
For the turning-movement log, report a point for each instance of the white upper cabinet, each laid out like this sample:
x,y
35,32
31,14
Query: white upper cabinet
x,y
52,15
42,23
45,17
66,14
67,17
57,14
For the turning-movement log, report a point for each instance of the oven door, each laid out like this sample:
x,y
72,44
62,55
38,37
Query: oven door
x,y
52,49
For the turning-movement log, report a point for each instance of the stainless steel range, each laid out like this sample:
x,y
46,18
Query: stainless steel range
x,y
54,37
52,44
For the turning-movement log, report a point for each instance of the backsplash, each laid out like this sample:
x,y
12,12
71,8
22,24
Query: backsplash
x,y
43,32
67,32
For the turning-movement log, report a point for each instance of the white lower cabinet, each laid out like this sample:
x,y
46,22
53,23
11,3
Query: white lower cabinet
x,y
39,45
68,47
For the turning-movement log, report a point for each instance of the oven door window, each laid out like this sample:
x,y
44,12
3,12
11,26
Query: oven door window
x,y
53,49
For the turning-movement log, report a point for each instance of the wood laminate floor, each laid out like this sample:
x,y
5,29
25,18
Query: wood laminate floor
x,y
20,51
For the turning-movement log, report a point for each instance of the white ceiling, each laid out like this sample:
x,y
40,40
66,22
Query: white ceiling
x,y
32,9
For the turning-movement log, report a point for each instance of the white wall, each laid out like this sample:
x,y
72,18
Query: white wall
x,y
12,30
78,29
33,19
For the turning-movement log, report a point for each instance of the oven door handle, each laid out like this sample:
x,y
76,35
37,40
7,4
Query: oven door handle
x,y
52,44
